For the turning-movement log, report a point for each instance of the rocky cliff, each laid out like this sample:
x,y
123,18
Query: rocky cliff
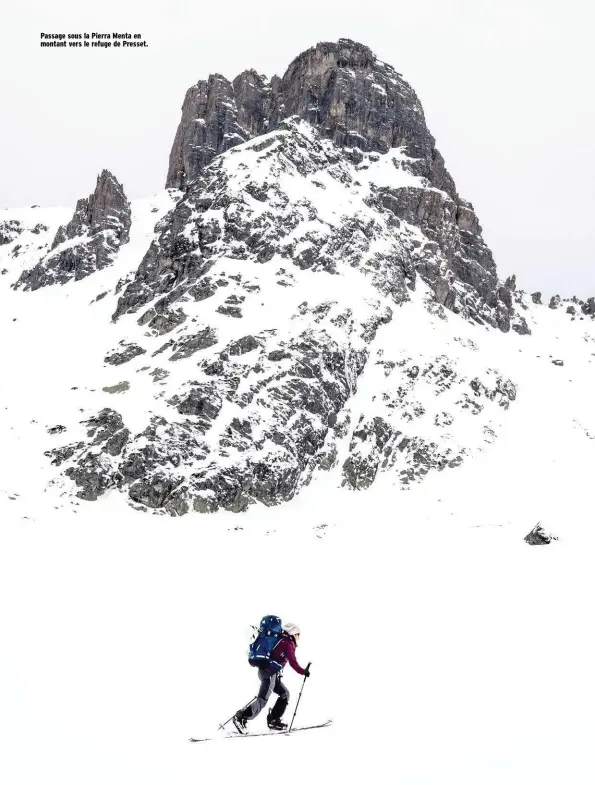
x,y
89,241
364,106
258,308
340,88
283,313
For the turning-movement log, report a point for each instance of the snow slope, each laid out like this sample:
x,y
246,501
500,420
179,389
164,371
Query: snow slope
x,y
254,308
480,664
480,672
54,341
445,648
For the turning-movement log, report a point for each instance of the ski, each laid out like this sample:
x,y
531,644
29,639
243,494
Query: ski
x,y
266,732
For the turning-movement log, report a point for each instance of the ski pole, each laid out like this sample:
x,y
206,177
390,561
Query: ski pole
x,y
298,700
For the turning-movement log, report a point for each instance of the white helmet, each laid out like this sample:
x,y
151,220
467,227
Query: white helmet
x,y
292,629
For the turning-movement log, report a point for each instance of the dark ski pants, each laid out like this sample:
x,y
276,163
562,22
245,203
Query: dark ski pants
x,y
269,683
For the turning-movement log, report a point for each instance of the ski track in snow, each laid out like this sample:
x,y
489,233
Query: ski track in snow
x,y
478,658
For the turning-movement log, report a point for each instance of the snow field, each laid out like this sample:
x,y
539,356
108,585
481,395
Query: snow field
x,y
443,652
445,649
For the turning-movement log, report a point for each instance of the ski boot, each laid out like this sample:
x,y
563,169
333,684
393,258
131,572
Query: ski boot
x,y
275,724
239,720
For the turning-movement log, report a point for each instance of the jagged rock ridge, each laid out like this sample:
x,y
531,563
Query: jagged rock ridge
x,y
362,105
340,88
314,207
285,219
99,227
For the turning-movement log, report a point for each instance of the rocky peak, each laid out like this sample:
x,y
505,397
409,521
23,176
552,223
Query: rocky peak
x,y
365,108
101,221
339,87
209,126
106,208
257,102
355,99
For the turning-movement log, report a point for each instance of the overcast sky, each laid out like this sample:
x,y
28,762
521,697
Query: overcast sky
x,y
506,87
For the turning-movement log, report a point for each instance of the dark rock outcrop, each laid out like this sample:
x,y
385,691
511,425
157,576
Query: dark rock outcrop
x,y
379,444
127,353
359,101
93,472
555,302
216,116
341,88
89,242
264,456
194,343
10,230
248,417
364,106
538,536
520,325
216,221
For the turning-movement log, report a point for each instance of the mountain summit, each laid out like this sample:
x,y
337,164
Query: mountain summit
x,y
309,298
364,107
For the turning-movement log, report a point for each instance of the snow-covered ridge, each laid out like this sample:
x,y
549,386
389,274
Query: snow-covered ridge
x,y
89,241
294,336
304,309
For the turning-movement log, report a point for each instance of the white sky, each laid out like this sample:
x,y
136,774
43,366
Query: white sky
x,y
505,86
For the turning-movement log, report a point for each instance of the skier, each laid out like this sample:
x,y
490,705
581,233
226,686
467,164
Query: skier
x,y
270,681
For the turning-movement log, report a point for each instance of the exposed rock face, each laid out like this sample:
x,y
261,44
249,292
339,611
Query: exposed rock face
x,y
282,397
242,215
218,115
89,242
128,352
364,106
9,231
391,443
358,101
520,325
341,88
108,436
261,415
538,536
314,207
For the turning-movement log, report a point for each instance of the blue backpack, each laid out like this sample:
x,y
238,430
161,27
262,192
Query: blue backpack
x,y
261,648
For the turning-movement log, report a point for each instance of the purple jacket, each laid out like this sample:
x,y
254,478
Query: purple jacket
x,y
284,652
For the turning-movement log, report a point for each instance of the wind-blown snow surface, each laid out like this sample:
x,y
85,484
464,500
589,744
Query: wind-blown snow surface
x,y
445,648
122,637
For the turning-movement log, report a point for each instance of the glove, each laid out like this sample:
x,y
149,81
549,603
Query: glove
x,y
307,670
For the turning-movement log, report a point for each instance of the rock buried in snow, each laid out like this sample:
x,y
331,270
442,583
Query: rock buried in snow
x,y
538,536
117,388
558,362
130,351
